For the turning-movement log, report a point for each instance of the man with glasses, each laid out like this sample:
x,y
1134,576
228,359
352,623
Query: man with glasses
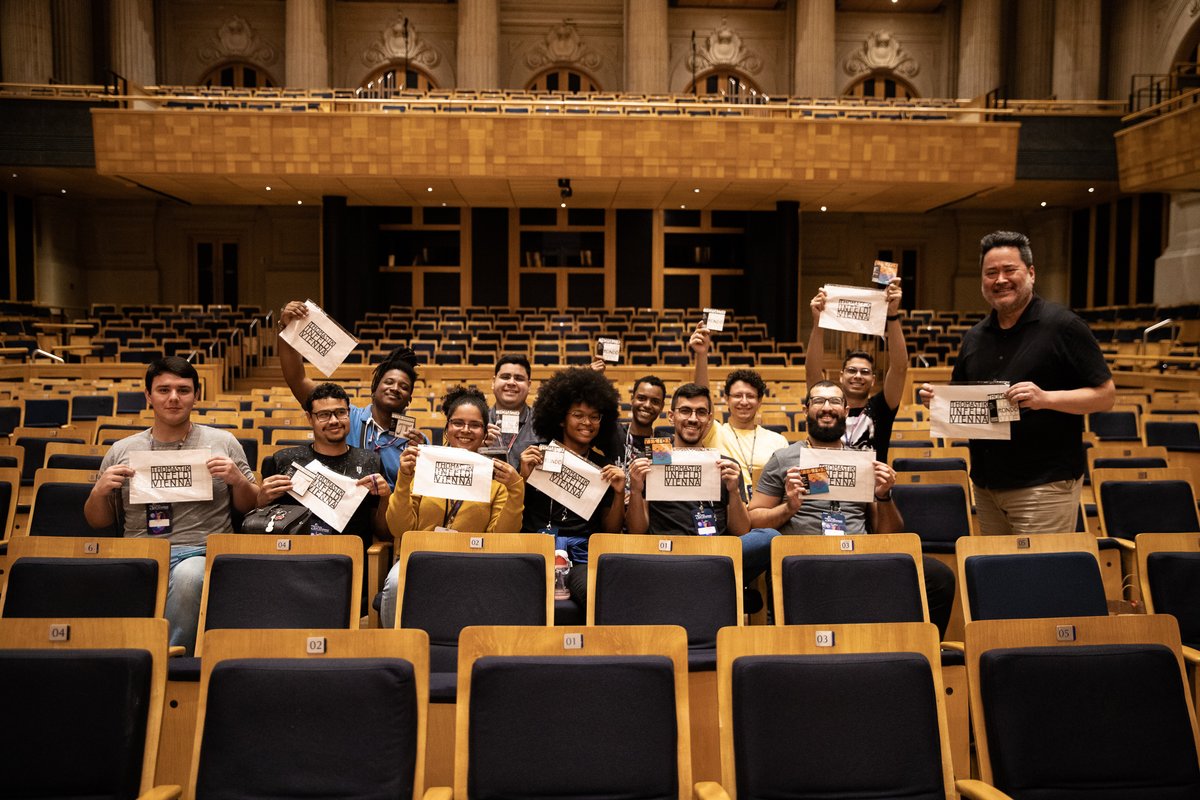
x,y
691,414
328,410
780,501
869,418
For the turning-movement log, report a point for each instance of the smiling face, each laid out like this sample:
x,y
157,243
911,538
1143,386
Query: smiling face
x,y
858,379
330,420
691,417
827,414
1007,280
172,399
581,425
465,428
510,387
393,392
647,404
743,401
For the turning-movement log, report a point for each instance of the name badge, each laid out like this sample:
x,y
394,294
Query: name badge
x,y
706,522
833,523
158,518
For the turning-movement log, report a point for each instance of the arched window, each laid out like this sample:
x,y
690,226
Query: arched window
x,y
238,75
563,79
392,78
727,83
881,85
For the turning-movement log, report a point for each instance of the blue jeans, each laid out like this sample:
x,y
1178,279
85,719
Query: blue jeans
x,y
756,553
184,590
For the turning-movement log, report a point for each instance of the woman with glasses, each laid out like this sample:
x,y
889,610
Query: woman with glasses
x,y
466,412
577,408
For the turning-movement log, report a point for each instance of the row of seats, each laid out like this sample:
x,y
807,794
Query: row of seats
x,y
826,564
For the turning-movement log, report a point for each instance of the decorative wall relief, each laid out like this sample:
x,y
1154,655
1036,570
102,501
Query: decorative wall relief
x,y
563,45
237,39
881,51
724,48
400,41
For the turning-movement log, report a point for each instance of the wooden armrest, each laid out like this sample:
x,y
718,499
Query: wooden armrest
x,y
379,561
176,651
957,647
1124,544
1191,655
438,792
978,790
163,793
710,790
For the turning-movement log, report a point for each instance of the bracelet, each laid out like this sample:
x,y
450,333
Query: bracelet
x,y
892,317
885,499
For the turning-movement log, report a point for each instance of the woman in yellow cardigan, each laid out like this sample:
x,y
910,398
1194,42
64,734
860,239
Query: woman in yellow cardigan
x,y
466,414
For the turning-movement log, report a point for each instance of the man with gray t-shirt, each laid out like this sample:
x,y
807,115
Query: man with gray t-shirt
x,y
171,388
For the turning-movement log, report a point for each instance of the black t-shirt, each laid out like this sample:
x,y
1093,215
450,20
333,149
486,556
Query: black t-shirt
x,y
354,463
679,516
541,511
1052,347
871,426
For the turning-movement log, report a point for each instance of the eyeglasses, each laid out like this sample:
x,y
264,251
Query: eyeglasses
x,y
835,402
337,413
579,416
698,413
750,396
866,372
459,424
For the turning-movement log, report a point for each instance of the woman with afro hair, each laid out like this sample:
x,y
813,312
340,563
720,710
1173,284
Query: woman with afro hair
x,y
466,412
578,408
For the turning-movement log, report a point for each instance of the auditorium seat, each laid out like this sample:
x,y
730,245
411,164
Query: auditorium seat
x,y
623,728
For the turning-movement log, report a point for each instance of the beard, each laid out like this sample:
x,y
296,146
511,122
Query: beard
x,y
827,435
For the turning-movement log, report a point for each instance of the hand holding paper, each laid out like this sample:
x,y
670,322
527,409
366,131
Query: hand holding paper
x,y
170,476
319,338
971,411
453,473
854,310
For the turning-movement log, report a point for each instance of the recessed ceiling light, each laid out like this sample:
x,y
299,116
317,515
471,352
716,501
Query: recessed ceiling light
x,y
1043,204
443,205
299,202
429,188
697,191
562,205
683,206
14,174
1090,188
64,191
822,208
268,188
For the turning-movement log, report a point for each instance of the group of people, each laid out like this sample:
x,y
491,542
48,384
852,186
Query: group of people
x,y
1027,484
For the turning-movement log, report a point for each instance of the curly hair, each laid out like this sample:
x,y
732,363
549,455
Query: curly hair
x,y
326,391
575,385
464,395
746,376
403,359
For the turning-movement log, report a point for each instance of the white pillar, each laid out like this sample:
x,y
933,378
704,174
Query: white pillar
x,y
814,67
26,41
646,49
1077,49
306,52
979,48
478,44
1177,270
132,38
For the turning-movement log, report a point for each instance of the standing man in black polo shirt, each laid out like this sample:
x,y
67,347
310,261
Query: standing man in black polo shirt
x,y
1030,484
